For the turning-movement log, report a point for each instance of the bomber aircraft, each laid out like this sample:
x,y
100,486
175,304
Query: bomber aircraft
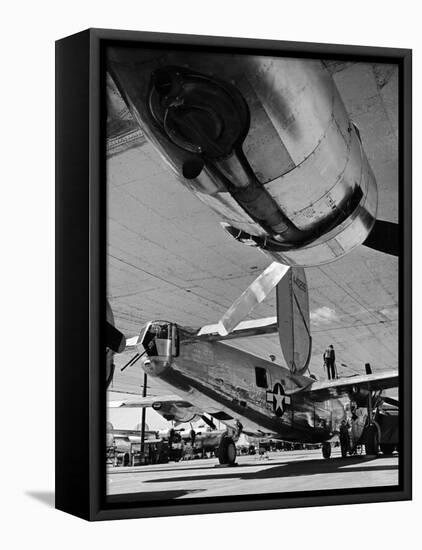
x,y
248,394
268,145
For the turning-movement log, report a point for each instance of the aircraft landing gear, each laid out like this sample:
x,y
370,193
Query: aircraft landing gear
x,y
371,440
326,449
344,446
227,451
372,431
387,448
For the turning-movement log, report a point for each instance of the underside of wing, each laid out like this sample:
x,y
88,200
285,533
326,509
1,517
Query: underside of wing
x,y
153,401
170,407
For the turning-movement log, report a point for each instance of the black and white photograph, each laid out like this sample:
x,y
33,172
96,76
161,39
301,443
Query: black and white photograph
x,y
211,274
252,275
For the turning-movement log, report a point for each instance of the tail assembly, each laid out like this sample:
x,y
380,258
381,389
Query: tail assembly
x,y
293,320
292,323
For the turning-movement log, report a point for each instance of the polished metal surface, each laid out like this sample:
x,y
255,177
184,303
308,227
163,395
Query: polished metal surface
x,y
294,321
314,198
248,394
221,381
165,244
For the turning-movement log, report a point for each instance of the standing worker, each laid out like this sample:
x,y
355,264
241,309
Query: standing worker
x,y
330,362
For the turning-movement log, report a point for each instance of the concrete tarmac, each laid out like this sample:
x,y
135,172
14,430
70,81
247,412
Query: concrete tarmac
x,y
280,472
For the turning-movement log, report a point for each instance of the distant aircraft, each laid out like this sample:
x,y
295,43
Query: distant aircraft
x,y
203,439
251,395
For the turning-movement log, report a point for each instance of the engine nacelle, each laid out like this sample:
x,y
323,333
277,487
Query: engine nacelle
x,y
180,412
267,144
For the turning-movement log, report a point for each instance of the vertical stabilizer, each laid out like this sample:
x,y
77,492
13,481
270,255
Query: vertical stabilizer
x,y
293,320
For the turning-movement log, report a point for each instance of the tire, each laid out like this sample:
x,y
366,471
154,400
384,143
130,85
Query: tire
x,y
371,440
387,448
227,451
326,450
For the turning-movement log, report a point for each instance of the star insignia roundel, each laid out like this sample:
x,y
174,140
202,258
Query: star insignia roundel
x,y
278,399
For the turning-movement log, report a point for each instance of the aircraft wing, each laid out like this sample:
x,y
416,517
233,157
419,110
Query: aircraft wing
x,y
255,327
128,433
152,401
343,386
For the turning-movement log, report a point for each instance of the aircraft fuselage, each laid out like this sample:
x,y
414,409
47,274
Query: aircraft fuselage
x,y
236,387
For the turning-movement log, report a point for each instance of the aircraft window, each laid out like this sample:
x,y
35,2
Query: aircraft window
x,y
153,333
261,377
160,330
148,342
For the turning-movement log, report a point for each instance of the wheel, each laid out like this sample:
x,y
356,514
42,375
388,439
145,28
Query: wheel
x,y
371,440
227,451
387,448
326,449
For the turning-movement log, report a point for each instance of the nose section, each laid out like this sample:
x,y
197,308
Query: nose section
x,y
154,366
157,345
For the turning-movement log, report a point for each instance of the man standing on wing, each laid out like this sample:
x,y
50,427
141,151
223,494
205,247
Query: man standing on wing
x,y
329,362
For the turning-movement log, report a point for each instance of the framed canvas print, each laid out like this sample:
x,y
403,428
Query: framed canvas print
x,y
233,274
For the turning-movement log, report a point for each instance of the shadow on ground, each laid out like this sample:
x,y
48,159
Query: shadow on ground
x,y
289,469
45,497
149,496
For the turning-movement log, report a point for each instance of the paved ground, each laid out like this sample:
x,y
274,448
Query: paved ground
x,y
281,472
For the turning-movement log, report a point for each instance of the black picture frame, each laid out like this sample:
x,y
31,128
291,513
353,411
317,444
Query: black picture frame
x,y
80,274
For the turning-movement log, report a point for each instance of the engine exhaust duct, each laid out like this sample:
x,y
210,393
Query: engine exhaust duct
x,y
267,144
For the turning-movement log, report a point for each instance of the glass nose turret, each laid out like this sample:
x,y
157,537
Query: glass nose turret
x,y
159,342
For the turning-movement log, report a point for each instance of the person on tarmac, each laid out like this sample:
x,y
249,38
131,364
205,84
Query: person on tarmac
x,y
344,437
